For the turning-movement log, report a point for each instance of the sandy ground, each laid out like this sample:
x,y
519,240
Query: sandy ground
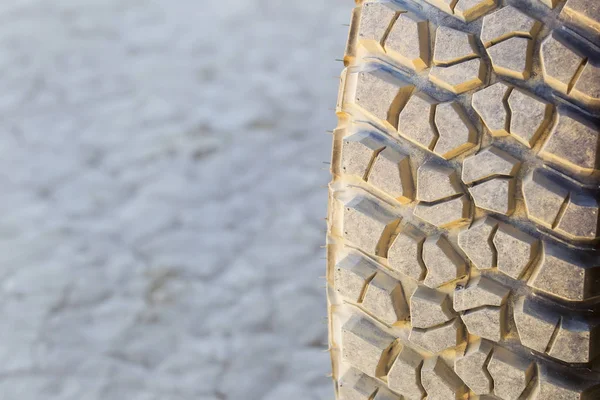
x,y
160,165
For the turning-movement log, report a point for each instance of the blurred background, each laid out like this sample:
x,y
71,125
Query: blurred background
x,y
160,166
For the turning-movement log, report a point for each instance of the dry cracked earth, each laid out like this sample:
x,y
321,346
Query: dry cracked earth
x,y
160,164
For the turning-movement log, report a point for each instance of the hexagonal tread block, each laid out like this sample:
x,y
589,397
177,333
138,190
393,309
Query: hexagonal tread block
x,y
489,163
480,291
429,308
405,374
440,338
384,298
408,41
351,276
456,132
357,152
544,198
486,322
440,381
447,214
582,13
505,23
443,263
489,104
459,78
512,57
375,20
559,63
516,250
415,121
565,275
575,342
368,225
355,385
365,346
573,145
511,373
529,116
476,243
381,94
435,182
472,368
404,254
452,46
496,195
391,173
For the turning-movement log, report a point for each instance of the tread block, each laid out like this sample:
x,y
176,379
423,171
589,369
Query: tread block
x,y
430,308
511,373
575,342
559,63
480,291
357,152
583,13
476,243
405,374
487,322
587,86
381,94
384,298
580,218
448,214
571,386
468,10
472,367
459,78
415,121
368,225
443,263
488,163
534,323
375,20
351,276
435,182
573,145
440,381
512,57
456,132
440,338
489,104
496,195
391,173
505,23
529,116
452,46
354,385
565,275
544,198
408,41
365,346
516,250
404,254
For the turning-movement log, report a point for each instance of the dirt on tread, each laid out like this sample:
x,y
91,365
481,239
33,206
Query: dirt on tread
x,y
463,225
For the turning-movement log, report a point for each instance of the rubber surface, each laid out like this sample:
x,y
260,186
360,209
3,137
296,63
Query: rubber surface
x,y
463,212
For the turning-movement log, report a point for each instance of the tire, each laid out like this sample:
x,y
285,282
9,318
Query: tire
x,y
463,210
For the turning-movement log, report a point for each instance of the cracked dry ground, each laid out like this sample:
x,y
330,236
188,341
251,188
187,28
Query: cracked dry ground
x,y
161,164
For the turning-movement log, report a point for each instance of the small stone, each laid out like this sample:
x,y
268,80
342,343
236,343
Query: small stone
x,y
351,276
438,339
456,133
384,298
559,63
530,116
516,250
365,346
512,57
487,163
443,263
444,215
475,242
408,41
486,322
459,78
506,22
481,291
511,373
496,195
415,122
452,45
489,104
391,173
543,198
573,145
429,308
534,323
405,252
471,367
440,381
405,374
435,183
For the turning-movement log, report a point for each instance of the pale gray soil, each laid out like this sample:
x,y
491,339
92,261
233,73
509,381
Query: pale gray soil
x,y
160,164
